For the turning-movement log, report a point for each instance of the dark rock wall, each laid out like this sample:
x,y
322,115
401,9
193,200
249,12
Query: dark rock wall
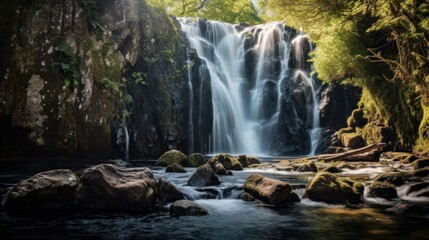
x,y
72,71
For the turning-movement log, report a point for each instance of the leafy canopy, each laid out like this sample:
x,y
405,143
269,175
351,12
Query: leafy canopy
x,y
232,11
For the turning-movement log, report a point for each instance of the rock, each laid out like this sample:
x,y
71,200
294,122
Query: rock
x,y
417,188
423,172
284,165
421,163
203,176
187,208
107,187
392,178
246,161
382,190
410,159
326,187
172,156
175,168
53,189
353,140
331,169
405,208
247,197
270,191
227,161
357,119
219,169
309,166
167,192
196,160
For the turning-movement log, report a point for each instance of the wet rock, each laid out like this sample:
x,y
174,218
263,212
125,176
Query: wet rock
x,y
421,163
417,188
107,187
327,187
284,165
187,208
196,160
167,192
405,208
309,166
47,190
172,156
423,172
392,178
382,190
270,191
203,176
227,161
175,168
353,140
210,193
247,197
246,161
219,169
331,169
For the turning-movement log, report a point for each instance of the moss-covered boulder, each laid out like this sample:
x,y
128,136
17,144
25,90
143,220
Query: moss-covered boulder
x,y
172,156
331,169
229,162
327,187
392,178
270,191
175,168
352,140
382,190
421,163
247,197
196,160
186,208
47,190
357,119
203,176
246,160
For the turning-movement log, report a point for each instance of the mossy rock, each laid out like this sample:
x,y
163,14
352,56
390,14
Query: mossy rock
x,y
331,169
196,160
392,178
247,197
246,161
175,168
377,133
382,190
172,156
343,131
327,187
357,119
229,162
353,140
421,163
309,166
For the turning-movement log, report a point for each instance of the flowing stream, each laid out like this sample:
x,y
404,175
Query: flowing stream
x,y
253,79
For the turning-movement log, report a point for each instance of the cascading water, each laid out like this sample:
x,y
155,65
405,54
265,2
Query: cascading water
x,y
264,103
191,104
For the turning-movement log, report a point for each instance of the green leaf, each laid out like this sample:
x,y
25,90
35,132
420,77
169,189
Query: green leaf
x,y
67,82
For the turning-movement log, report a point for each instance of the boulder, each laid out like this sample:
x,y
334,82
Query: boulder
x,y
172,156
421,163
270,191
406,208
417,188
246,161
203,176
107,187
247,197
196,160
186,208
219,169
352,140
284,165
392,178
327,187
357,119
331,169
227,161
175,168
167,192
382,190
309,166
53,189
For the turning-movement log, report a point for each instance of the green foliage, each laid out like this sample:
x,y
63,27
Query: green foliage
x,y
139,78
67,65
232,11
113,86
128,99
91,12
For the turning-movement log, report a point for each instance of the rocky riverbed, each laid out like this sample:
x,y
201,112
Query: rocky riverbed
x,y
294,194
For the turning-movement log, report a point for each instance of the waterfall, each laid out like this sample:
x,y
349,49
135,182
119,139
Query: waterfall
x,y
127,140
191,102
264,103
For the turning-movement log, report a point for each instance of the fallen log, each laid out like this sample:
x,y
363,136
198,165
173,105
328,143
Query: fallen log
x,y
367,153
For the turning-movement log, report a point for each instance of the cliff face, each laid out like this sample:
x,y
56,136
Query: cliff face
x,y
74,71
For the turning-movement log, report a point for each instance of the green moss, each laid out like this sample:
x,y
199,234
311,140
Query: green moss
x,y
422,143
